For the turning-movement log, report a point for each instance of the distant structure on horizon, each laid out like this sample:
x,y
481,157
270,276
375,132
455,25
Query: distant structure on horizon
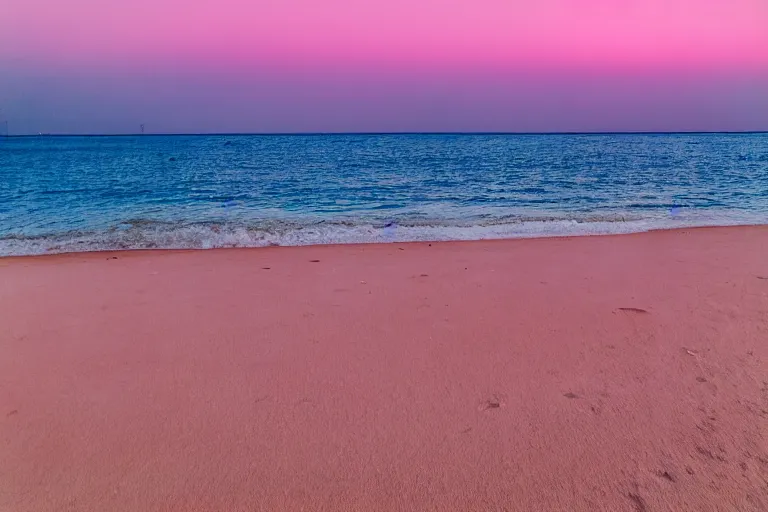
x,y
142,128
3,125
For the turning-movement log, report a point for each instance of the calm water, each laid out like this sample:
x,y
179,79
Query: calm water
x,y
87,193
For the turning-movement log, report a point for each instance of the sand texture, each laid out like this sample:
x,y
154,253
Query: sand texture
x,y
617,373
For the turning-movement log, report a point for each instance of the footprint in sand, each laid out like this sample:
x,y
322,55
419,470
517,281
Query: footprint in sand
x,y
638,502
492,403
666,475
634,310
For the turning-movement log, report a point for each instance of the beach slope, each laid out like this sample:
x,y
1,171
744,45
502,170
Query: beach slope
x,y
596,373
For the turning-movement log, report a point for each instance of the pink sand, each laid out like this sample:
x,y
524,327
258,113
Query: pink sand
x,y
496,375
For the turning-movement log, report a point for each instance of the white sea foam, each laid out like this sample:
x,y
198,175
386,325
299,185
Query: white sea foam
x,y
164,235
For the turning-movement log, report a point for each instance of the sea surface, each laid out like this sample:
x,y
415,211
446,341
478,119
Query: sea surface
x,y
62,194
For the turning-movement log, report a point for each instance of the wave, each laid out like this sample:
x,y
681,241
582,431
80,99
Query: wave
x,y
158,234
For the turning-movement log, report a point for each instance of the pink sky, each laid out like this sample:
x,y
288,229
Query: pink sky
x,y
717,47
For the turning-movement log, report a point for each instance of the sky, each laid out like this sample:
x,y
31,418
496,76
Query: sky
x,y
199,66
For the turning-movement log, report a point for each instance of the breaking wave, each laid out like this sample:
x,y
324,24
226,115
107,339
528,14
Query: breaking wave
x,y
152,234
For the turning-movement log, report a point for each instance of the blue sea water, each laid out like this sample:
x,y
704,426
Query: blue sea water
x,y
60,194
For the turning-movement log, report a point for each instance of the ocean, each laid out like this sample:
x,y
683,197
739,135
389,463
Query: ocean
x,y
64,194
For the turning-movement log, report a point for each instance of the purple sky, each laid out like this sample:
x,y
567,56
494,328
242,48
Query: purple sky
x,y
88,66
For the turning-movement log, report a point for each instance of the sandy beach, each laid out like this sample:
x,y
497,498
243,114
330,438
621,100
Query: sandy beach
x,y
616,373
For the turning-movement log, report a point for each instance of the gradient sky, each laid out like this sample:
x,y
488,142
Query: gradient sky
x,y
105,66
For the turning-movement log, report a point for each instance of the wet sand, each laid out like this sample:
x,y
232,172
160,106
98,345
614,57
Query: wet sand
x,y
617,373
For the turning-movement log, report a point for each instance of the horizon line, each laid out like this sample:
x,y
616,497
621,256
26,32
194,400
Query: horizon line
x,y
371,133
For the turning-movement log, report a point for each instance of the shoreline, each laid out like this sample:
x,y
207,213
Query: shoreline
x,y
587,373
385,242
